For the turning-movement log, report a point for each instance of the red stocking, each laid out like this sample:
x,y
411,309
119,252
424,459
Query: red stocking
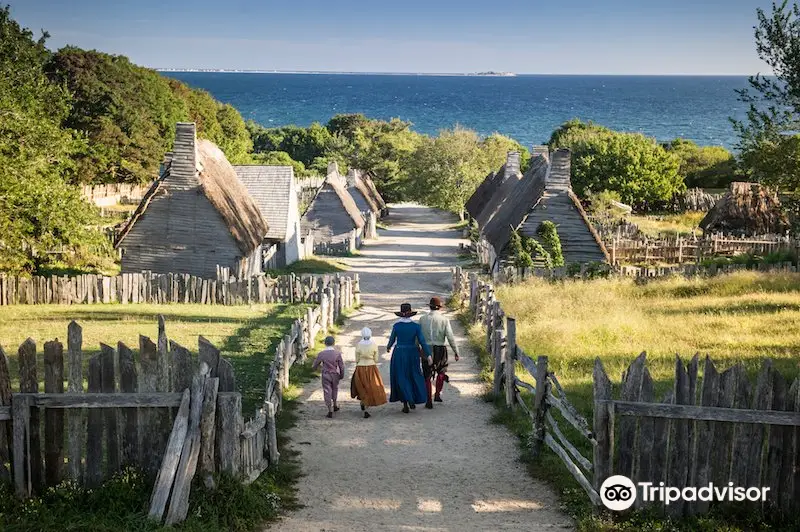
x,y
439,383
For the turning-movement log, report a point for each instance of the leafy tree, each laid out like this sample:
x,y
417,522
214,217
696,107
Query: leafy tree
x,y
703,166
633,165
496,148
768,139
445,170
127,113
234,141
38,210
302,144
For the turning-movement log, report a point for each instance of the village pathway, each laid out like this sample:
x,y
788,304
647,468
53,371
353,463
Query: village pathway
x,y
444,469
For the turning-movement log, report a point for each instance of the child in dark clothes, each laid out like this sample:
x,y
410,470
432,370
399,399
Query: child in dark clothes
x,y
332,364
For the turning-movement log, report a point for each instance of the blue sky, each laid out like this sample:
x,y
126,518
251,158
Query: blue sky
x,y
570,37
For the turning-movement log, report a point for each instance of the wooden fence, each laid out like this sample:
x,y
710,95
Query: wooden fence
x,y
683,249
160,410
720,431
510,274
147,287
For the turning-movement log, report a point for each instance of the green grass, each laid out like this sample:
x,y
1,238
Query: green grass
x,y
315,265
247,336
735,318
669,224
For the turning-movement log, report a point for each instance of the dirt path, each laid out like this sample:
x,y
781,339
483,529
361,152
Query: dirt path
x,y
443,469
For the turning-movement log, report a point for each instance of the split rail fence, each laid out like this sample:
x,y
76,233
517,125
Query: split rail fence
x,y
720,429
148,287
162,410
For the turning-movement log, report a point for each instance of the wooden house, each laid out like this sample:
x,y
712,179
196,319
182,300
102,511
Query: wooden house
x,y
545,193
274,190
362,195
333,218
195,217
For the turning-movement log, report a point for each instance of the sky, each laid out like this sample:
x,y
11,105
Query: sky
x,y
712,37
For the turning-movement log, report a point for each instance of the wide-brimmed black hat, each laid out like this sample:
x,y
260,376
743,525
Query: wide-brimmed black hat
x,y
405,311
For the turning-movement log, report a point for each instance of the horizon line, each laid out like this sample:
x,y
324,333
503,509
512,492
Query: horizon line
x,y
450,74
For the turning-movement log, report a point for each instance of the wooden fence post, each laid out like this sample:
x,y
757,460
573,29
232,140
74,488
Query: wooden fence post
x,y
540,404
497,353
603,427
76,421
511,361
357,289
272,435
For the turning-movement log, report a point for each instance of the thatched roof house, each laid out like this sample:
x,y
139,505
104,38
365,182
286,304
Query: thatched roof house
x,y
369,183
195,217
333,215
274,190
483,193
361,193
499,190
747,209
545,193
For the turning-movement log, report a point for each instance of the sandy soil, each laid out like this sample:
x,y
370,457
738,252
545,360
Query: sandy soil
x,y
443,469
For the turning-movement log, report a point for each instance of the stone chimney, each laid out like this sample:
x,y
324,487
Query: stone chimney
x,y
512,165
333,168
541,150
351,177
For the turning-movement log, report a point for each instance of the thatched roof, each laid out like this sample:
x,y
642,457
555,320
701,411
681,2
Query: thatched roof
x,y
361,193
521,199
477,201
349,204
545,193
747,209
216,178
366,178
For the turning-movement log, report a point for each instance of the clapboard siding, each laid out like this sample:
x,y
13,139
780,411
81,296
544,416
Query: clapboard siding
x,y
180,232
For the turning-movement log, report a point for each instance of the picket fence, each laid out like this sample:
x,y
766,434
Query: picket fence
x,y
148,287
720,431
162,410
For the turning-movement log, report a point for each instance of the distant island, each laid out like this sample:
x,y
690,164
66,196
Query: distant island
x,y
492,73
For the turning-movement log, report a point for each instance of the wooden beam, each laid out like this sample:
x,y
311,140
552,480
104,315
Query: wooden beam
x,y
705,413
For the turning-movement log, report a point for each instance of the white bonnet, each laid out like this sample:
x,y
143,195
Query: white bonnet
x,y
366,333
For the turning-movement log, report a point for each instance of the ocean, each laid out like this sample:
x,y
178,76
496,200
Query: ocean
x,y
526,107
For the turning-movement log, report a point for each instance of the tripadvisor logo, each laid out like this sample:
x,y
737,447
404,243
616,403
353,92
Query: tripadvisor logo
x,y
618,493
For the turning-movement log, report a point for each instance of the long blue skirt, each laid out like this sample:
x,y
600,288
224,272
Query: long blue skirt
x,y
405,372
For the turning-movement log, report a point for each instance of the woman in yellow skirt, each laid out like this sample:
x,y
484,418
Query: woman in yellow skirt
x,y
367,385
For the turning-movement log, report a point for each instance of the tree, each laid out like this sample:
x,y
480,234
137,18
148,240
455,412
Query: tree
x,y
38,210
496,148
703,166
445,170
633,165
768,139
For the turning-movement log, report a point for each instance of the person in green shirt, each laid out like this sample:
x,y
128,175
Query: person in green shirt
x,y
437,330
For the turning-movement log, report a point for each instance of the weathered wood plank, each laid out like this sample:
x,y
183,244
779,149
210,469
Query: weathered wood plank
x,y
208,426
21,407
128,384
573,469
734,415
646,438
679,447
94,430
762,400
166,473
661,448
76,420
603,426
6,429
631,391
151,445
109,385
777,444
181,366
29,382
54,419
179,499
227,380
210,355
703,448
742,432
229,427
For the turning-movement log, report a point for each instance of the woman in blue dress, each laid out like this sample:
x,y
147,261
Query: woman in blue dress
x,y
407,382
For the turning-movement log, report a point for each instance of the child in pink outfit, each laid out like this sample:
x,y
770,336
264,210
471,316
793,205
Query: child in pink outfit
x,y
332,364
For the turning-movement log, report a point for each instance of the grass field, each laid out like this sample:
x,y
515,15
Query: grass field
x,y
669,224
315,265
735,318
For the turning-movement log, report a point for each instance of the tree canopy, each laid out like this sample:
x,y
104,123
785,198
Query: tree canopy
x,y
704,166
769,139
635,166
38,210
